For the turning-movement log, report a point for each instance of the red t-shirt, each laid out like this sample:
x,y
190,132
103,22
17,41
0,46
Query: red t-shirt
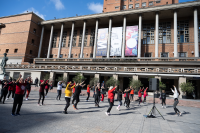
x,y
20,87
110,94
139,93
46,86
145,91
124,94
42,87
132,92
88,89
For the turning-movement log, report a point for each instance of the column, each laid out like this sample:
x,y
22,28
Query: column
x,y
12,74
66,77
124,37
181,80
109,37
60,42
41,39
157,32
50,42
175,34
97,76
71,39
196,45
22,73
139,38
95,39
135,77
158,77
115,76
51,77
121,81
83,39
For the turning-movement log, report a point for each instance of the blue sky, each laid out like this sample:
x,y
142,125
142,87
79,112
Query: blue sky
x,y
48,9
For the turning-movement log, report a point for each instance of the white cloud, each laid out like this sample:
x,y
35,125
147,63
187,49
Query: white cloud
x,y
36,12
58,4
95,7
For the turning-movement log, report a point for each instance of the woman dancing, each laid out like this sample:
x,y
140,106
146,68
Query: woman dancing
x,y
176,95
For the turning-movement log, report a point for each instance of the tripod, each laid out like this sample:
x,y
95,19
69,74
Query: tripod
x,y
150,115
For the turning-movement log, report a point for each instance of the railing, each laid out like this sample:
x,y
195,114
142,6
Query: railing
x,y
190,70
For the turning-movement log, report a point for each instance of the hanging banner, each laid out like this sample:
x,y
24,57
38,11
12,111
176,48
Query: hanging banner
x,y
131,41
116,41
102,42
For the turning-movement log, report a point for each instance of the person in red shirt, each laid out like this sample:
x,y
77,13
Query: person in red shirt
x,y
11,89
110,99
18,99
145,95
47,87
88,93
132,94
140,95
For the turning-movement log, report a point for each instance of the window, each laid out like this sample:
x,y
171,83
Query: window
x,y
164,55
91,55
147,54
165,32
54,40
131,0
144,4
166,3
51,56
31,51
34,30
151,3
71,55
182,54
130,6
183,31
26,75
80,38
33,41
16,50
148,33
137,5
124,7
64,39
16,75
61,55
86,36
92,36
117,7
158,1
7,50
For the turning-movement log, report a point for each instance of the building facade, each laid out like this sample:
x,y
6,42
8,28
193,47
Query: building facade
x,y
167,47
119,5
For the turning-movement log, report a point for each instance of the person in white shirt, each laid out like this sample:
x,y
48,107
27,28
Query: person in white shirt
x,y
176,95
59,90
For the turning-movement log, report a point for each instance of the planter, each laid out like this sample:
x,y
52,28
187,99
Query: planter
x,y
184,97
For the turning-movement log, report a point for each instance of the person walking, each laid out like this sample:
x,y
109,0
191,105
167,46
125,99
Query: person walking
x,y
11,89
140,95
77,93
59,90
119,98
18,99
132,94
110,99
97,95
103,91
176,95
68,94
163,97
145,95
88,93
36,82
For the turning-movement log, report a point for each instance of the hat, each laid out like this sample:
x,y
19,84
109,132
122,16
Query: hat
x,y
111,87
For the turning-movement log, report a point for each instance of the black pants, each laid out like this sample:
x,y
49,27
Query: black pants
x,y
88,95
9,92
139,100
97,99
18,99
47,90
175,104
3,95
59,94
73,98
163,101
77,100
41,95
111,105
36,84
127,101
132,96
67,99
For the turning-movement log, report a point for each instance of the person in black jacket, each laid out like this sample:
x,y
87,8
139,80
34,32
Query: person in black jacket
x,y
4,90
163,97
119,98
77,93
36,82
127,100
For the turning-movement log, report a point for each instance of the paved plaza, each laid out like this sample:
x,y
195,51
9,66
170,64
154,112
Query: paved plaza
x,y
90,119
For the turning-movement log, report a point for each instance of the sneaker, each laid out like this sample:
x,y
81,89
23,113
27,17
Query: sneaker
x,y
17,114
7,98
26,99
162,107
64,112
39,105
106,113
13,114
180,114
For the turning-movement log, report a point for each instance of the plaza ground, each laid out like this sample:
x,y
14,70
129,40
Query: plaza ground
x,y
90,119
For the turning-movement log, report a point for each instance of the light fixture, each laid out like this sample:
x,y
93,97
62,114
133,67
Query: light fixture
x,y
192,52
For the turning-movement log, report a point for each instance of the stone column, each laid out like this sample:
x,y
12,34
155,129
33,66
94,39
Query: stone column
x,y
71,40
157,33
109,37
83,39
124,37
41,39
139,38
60,42
121,83
52,77
135,77
12,74
115,76
97,76
95,39
66,75
50,42
158,77
181,80
196,45
175,34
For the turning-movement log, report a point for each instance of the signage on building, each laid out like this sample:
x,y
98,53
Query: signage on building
x,y
102,42
131,41
116,41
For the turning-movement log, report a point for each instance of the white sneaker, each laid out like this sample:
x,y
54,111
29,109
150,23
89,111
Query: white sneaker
x,y
6,98
162,107
39,105
117,108
26,99
180,114
106,113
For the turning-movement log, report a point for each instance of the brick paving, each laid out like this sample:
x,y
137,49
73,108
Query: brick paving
x,y
90,119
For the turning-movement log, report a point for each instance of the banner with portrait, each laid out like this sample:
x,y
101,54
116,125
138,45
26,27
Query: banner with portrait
x,y
116,41
102,42
131,41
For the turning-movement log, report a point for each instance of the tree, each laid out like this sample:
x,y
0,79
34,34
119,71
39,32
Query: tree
x,y
162,86
94,81
64,79
135,84
78,78
112,82
187,87
46,76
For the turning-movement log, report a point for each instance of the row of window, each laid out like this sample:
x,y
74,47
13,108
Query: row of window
x,y
16,50
72,55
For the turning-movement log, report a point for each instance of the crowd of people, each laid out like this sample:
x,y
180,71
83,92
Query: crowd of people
x,y
21,89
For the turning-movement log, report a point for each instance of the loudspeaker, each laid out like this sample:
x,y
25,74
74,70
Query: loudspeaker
x,y
154,84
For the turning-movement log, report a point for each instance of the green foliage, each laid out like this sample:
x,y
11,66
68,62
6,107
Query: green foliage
x,y
187,87
94,81
112,82
46,76
78,78
64,79
135,84
162,86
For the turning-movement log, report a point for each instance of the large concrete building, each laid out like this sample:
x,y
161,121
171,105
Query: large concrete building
x,y
167,46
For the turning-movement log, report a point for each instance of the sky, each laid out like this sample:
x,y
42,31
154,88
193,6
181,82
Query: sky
x,y
51,9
